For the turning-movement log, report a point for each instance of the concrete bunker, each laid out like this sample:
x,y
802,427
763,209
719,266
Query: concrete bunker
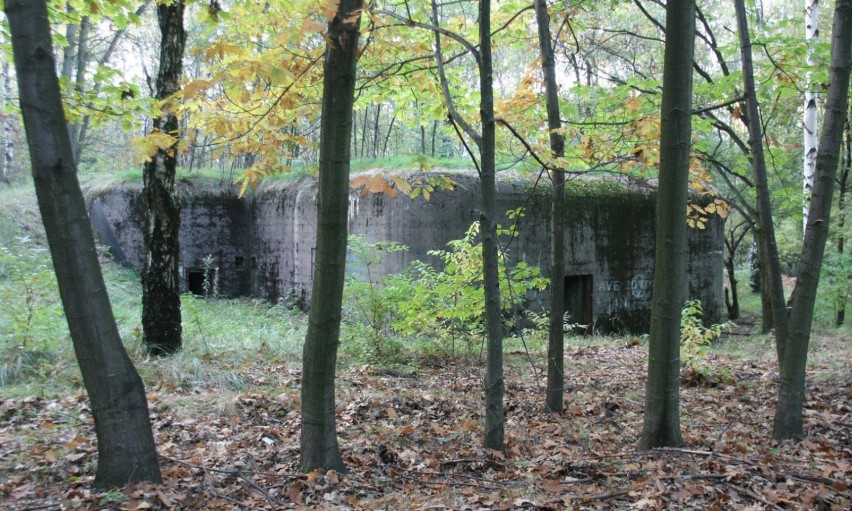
x,y
263,245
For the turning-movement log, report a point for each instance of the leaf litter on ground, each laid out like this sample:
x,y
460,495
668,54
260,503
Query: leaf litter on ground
x,y
411,441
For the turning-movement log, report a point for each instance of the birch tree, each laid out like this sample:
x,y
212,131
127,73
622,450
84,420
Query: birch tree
x,y
809,120
161,314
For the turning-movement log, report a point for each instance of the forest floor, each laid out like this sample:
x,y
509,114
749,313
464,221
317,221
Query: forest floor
x,y
412,441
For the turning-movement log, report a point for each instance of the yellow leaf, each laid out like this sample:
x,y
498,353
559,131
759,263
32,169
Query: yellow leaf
x,y
194,88
376,184
402,184
312,26
358,182
329,9
632,104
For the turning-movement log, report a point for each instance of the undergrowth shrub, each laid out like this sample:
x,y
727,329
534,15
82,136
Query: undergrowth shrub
x,y
445,305
696,340
371,298
32,325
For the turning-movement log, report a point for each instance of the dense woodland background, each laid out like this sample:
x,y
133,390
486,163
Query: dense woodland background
x,y
243,401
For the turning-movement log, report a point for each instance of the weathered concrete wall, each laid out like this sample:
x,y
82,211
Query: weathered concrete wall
x,y
263,245
215,226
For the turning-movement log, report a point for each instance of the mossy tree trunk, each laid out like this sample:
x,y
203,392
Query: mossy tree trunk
x,y
662,393
791,392
161,315
126,452
319,447
555,341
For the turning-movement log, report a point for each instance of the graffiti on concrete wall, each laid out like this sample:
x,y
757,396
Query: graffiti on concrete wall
x,y
627,293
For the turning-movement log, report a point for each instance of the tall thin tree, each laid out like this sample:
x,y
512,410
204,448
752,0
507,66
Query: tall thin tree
x,y
662,392
770,266
791,392
556,341
161,315
7,129
494,384
319,447
126,452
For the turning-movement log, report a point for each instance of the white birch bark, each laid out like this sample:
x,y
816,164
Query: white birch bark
x,y
809,120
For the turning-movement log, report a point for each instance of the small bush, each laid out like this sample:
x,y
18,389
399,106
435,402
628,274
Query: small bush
x,y
32,325
695,342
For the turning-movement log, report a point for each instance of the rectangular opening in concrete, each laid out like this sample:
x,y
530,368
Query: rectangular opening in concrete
x,y
195,280
578,301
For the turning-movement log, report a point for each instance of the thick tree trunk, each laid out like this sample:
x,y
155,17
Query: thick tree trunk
x,y
791,392
319,448
161,316
662,392
555,342
809,120
126,452
494,385
765,230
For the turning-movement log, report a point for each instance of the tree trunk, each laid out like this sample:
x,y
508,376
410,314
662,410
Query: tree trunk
x,y
319,448
363,152
733,242
754,280
843,184
662,392
809,120
388,136
555,342
791,392
494,385
126,452
161,315
354,149
376,132
69,52
82,62
769,264
7,151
